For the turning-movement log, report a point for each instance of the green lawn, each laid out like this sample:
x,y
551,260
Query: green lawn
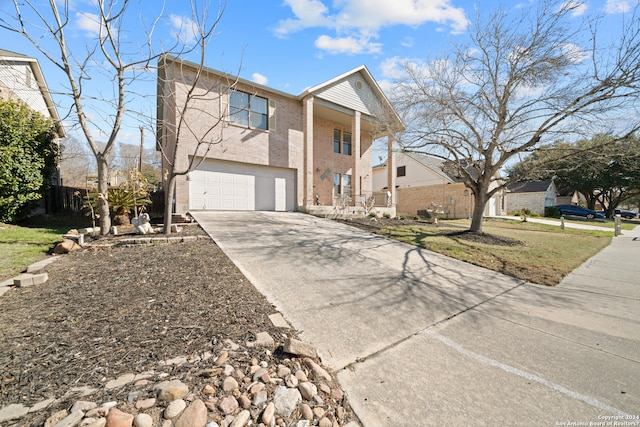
x,y
33,241
544,255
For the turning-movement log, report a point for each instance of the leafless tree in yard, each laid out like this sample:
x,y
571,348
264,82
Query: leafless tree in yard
x,y
189,104
520,79
108,57
186,94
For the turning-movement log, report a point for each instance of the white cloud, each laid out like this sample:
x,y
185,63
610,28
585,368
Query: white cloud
x,y
617,6
575,53
183,28
259,78
348,45
392,68
89,22
407,42
309,13
357,22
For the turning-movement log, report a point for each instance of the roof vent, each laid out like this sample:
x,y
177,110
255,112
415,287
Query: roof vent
x,y
359,84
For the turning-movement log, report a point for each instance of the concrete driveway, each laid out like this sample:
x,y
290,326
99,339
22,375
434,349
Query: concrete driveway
x,y
417,338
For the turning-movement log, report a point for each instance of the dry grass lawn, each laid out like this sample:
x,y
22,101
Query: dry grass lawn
x,y
534,252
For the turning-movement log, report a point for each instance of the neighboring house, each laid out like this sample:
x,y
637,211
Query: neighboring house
x,y
271,150
534,196
21,79
567,196
421,184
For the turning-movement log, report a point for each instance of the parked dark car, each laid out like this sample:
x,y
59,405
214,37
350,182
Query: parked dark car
x,y
574,210
625,214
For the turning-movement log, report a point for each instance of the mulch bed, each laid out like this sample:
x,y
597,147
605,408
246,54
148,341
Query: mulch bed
x,y
107,312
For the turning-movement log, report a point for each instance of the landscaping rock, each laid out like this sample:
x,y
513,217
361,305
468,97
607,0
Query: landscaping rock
x,y
13,411
241,419
263,339
286,400
174,409
143,420
171,390
318,371
299,348
66,246
194,416
117,418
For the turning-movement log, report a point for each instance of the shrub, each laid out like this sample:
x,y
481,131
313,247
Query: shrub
x,y
131,196
28,155
551,211
386,215
524,212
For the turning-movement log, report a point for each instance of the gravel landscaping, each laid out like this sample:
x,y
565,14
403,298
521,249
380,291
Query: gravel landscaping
x,y
144,314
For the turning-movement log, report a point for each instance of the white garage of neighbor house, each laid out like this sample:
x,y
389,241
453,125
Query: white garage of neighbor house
x,y
232,186
534,196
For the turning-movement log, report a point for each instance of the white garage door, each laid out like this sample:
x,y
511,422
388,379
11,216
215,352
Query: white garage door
x,y
221,185
221,191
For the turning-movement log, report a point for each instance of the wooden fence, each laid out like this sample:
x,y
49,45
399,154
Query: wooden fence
x,y
61,200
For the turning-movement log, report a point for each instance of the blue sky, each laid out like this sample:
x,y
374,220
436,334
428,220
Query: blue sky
x,y
290,45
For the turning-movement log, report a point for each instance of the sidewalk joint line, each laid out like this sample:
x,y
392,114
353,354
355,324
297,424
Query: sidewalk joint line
x,y
559,337
526,375
427,328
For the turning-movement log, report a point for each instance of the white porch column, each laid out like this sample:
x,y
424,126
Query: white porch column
x,y
308,151
355,153
391,168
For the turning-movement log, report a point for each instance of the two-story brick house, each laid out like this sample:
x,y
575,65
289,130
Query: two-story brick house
x,y
250,147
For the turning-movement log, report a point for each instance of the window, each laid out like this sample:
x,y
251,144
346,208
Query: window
x,y
346,143
341,142
401,171
346,185
341,185
248,110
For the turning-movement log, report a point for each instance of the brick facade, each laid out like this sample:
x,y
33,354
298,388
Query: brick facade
x,y
449,198
299,138
532,201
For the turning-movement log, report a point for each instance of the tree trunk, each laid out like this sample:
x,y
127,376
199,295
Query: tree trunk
x,y
478,211
103,194
168,203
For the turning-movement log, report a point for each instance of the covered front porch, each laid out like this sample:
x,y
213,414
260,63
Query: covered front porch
x,y
341,121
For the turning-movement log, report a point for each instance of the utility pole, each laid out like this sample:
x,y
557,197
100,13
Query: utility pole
x,y
141,148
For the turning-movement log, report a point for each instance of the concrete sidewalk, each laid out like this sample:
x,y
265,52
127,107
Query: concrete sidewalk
x,y
420,339
567,224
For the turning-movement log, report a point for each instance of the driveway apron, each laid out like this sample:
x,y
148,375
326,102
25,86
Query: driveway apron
x,y
417,338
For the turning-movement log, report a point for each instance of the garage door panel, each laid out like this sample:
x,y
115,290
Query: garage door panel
x,y
241,187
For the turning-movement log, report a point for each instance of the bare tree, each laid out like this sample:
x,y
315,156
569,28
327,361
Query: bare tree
x,y
187,91
75,163
186,94
518,80
108,56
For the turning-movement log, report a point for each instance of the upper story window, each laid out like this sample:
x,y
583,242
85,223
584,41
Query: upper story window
x,y
341,142
248,110
401,171
346,143
337,138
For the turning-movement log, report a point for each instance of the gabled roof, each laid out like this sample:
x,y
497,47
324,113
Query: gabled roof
x,y
321,90
350,78
8,56
433,164
530,186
